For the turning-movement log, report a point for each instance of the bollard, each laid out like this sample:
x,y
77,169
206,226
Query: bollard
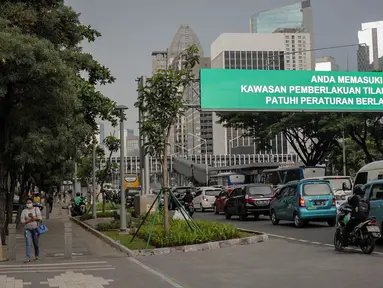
x,y
12,241
68,239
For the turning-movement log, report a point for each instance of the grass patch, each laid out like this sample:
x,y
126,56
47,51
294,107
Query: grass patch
x,y
137,244
180,233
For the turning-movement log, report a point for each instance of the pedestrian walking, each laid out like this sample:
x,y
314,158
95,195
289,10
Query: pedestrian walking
x,y
30,217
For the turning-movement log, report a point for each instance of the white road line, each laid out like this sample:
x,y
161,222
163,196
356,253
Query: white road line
x,y
9,272
66,267
172,282
316,243
54,264
294,239
304,241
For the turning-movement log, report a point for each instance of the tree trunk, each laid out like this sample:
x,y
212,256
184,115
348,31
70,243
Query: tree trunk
x,y
165,175
23,191
3,202
10,197
107,168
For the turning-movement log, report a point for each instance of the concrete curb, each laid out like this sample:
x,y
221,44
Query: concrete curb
x,y
187,248
105,238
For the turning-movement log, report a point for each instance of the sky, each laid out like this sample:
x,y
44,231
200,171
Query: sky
x,y
132,29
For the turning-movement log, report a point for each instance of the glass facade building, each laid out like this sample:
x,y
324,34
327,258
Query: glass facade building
x,y
296,16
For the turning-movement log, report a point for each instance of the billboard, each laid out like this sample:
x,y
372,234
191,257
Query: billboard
x,y
290,90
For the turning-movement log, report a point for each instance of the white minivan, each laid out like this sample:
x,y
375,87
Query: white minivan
x,y
370,172
205,198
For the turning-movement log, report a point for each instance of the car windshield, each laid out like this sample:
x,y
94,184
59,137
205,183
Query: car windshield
x,y
317,189
212,192
337,183
260,190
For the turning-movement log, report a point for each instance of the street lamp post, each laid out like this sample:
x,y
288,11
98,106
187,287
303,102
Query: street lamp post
x,y
121,109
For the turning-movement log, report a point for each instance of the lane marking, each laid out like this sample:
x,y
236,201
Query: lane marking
x,y
172,282
54,264
58,270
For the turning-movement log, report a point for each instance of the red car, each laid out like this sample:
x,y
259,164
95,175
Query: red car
x,y
220,201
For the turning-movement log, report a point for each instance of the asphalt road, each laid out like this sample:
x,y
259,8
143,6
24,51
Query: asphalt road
x,y
317,233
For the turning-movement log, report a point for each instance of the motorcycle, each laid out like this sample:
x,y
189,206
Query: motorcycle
x,y
189,207
364,235
78,210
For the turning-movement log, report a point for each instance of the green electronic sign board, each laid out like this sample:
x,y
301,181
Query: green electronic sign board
x,y
283,90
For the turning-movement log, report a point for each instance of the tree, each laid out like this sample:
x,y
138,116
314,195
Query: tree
x,y
355,158
312,135
47,87
113,145
161,103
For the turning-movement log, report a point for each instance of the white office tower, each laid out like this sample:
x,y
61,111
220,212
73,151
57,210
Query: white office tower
x,y
326,63
371,35
246,51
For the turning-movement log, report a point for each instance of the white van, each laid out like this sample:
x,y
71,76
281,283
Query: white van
x,y
370,172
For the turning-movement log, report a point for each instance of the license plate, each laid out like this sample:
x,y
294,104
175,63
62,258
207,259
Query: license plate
x,y
373,229
318,202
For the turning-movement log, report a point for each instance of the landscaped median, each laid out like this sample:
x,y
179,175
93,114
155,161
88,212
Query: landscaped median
x,y
180,237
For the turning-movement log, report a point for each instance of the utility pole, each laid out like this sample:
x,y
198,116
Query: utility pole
x,y
121,108
94,209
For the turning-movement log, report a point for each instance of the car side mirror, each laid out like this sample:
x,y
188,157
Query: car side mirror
x,y
344,186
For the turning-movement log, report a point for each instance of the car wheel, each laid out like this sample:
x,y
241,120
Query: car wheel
x,y
331,222
215,210
227,215
298,222
273,218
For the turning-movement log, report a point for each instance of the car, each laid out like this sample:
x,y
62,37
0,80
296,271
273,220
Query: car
x,y
373,193
341,185
250,199
205,198
304,201
220,201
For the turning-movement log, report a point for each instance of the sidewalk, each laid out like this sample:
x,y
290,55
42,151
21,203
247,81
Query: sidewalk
x,y
94,263
52,242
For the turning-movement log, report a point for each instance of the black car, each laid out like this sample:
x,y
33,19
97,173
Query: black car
x,y
251,199
179,192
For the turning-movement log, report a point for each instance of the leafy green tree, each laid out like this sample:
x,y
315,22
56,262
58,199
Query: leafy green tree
x,y
113,145
312,135
161,102
47,87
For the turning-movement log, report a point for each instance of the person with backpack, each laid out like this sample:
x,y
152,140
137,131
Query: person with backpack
x,y
359,213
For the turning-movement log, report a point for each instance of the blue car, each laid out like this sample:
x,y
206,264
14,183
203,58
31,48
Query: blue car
x,y
304,201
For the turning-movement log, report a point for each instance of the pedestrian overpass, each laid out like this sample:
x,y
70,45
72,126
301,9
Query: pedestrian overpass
x,y
201,168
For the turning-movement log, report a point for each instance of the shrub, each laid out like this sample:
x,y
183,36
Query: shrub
x,y
181,234
108,225
109,214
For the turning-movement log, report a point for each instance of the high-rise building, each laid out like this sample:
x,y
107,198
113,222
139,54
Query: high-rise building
x,y
371,35
294,18
247,51
199,125
326,63
184,38
132,145
129,132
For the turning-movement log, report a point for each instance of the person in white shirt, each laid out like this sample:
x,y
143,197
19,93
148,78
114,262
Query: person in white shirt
x,y
30,217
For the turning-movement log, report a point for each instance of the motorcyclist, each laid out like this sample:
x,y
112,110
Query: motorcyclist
x,y
188,198
357,216
78,199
